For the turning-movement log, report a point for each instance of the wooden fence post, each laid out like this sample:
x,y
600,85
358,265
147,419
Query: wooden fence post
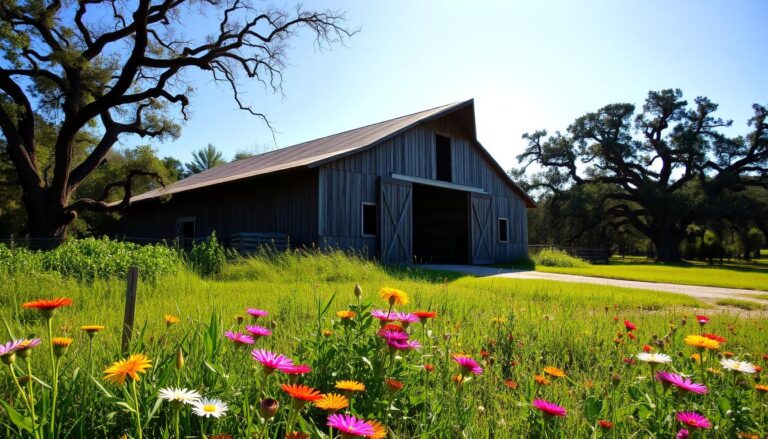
x,y
130,308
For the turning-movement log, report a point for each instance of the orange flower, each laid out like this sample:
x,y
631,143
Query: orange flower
x,y
220,436
62,342
696,358
727,354
327,333
394,296
541,380
554,372
429,368
761,387
350,386
48,306
332,402
299,392
346,314
129,367
296,435
171,319
394,385
379,430
647,348
91,329
511,384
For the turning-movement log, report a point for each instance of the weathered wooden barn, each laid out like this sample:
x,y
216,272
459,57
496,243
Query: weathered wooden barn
x,y
418,188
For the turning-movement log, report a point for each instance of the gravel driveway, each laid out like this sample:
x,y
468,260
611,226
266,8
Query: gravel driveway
x,y
709,294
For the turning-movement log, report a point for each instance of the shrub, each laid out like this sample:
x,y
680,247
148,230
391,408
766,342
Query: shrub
x,y
552,257
207,257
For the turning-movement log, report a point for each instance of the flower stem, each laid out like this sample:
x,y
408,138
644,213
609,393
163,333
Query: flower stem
x,y
31,394
136,406
54,379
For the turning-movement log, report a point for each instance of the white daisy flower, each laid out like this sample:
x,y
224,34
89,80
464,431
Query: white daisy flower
x,y
210,407
737,366
653,357
184,396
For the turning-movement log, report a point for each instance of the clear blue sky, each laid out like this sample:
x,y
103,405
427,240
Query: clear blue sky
x,y
538,64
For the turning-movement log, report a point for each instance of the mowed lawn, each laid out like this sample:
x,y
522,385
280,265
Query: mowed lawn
x,y
753,276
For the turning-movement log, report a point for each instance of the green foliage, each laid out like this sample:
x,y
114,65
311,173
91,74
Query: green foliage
x,y
552,257
204,159
207,257
748,305
91,259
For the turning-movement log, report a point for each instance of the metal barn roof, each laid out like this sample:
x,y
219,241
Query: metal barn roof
x,y
313,153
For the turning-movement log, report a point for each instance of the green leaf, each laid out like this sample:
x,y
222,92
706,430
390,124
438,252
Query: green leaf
x,y
17,418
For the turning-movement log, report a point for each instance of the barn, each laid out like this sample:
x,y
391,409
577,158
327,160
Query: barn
x,y
417,188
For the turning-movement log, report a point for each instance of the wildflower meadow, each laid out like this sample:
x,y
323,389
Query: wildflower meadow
x,y
354,350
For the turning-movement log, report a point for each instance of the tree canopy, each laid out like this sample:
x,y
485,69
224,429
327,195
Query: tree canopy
x,y
204,159
113,69
660,168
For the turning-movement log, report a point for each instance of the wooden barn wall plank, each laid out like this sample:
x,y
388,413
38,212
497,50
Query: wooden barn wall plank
x,y
348,182
252,205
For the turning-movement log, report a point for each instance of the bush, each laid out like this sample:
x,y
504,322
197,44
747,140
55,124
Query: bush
x,y
207,257
90,259
552,257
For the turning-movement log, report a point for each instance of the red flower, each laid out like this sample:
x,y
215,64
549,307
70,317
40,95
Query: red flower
x,y
511,384
632,336
629,325
423,315
703,320
715,337
394,385
605,424
647,348
429,368
48,304
615,318
629,361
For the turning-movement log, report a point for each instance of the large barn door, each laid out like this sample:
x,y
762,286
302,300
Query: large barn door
x,y
481,228
396,234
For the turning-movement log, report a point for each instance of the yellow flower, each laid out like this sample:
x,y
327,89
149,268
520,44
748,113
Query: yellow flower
x,y
130,367
379,430
350,386
701,342
171,320
394,296
554,372
327,333
91,329
346,314
332,402
499,320
60,345
696,358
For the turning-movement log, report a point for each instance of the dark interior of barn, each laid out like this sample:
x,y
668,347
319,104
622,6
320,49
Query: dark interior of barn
x,y
440,228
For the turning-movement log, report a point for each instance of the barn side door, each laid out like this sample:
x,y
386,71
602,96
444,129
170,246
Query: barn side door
x,y
481,228
395,222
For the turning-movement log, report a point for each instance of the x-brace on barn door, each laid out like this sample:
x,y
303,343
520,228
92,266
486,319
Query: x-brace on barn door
x,y
481,227
395,220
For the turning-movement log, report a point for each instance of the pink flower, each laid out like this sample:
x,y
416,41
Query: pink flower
x,y
703,320
682,434
693,419
468,365
349,425
629,325
258,331
297,369
256,313
681,383
406,318
383,315
271,361
548,408
389,334
239,338
9,347
404,345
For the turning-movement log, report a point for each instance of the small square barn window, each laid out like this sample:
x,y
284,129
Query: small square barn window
x,y
442,158
369,219
503,230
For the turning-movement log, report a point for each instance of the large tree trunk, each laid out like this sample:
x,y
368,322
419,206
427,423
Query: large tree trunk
x,y
47,219
667,245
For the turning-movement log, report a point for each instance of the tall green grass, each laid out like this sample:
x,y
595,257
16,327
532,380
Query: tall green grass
x,y
552,257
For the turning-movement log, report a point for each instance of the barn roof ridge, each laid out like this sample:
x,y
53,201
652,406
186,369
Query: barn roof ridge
x,y
314,153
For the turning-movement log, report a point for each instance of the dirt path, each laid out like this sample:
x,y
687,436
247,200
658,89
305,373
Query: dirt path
x,y
708,294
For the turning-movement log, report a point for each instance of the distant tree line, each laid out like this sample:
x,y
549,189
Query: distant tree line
x,y
663,181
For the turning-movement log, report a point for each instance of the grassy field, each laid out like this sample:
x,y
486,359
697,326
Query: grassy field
x,y
513,328
731,275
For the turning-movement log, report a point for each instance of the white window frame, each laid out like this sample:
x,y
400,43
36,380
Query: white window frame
x,y
498,227
362,219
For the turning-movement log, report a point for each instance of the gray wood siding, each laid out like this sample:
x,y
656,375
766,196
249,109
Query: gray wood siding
x,y
347,182
283,203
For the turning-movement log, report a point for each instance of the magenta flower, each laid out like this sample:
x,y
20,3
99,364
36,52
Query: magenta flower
x,y
406,317
548,408
9,347
382,315
256,313
468,365
403,345
271,361
389,334
239,338
349,425
297,369
682,434
681,383
693,419
258,331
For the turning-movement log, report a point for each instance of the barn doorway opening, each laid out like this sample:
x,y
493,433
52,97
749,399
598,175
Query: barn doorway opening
x,y
440,225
